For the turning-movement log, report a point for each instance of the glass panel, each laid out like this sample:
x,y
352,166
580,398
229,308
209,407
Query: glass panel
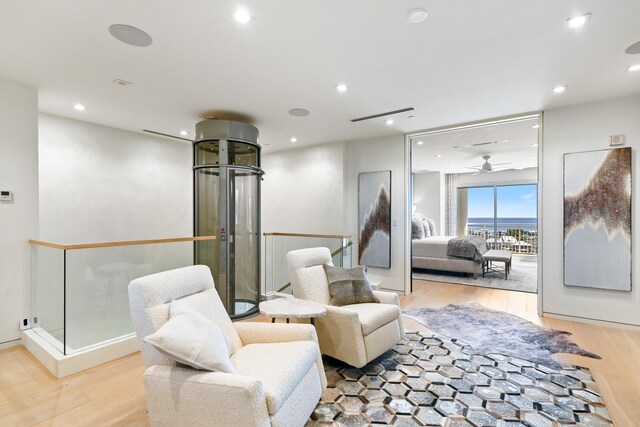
x,y
206,210
97,299
480,213
47,294
517,207
207,153
243,154
277,247
244,239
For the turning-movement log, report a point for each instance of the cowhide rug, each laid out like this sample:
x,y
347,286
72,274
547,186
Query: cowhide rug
x,y
495,332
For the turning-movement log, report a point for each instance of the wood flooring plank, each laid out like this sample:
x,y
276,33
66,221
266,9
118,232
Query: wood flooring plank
x,y
113,394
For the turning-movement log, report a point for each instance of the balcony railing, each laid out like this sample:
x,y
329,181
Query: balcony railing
x,y
278,244
79,295
517,238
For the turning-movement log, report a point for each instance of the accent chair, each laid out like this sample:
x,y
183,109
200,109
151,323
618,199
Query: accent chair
x,y
280,377
355,333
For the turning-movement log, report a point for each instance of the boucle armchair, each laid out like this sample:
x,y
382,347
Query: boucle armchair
x,y
280,377
355,333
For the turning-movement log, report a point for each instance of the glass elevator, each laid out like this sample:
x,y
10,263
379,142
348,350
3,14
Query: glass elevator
x,y
227,174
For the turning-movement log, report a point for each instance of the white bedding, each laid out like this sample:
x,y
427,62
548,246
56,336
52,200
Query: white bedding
x,y
431,247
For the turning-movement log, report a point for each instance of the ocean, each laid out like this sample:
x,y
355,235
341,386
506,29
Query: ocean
x,y
504,223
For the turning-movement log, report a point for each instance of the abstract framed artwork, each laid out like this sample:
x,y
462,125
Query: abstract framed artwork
x,y
597,219
374,219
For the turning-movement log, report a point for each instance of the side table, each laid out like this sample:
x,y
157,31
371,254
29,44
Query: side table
x,y
291,308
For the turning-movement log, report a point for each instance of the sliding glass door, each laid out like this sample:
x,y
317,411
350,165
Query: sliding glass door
x,y
504,215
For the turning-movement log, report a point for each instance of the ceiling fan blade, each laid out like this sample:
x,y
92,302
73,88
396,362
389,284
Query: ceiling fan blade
x,y
476,168
500,164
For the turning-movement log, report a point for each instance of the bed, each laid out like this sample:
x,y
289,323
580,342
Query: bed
x,y
431,253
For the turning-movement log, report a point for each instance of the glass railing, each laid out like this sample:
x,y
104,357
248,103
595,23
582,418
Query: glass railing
x,y
277,245
517,238
79,292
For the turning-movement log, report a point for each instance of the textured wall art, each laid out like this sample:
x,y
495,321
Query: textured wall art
x,y
597,219
374,219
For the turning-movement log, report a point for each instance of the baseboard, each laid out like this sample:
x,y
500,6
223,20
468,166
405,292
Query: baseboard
x,y
62,366
596,322
9,344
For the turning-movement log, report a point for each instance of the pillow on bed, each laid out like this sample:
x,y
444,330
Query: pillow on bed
x,y
417,229
432,226
427,229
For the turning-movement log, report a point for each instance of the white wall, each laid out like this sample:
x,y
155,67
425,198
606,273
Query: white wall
x,y
511,176
303,190
376,155
573,129
19,218
100,184
315,190
428,197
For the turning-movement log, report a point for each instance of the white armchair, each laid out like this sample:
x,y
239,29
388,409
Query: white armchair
x,y
355,333
280,377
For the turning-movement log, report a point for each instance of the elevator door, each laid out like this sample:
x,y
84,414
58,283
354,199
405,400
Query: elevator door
x,y
227,206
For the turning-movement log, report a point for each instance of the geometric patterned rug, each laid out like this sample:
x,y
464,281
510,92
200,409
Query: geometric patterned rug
x,y
431,380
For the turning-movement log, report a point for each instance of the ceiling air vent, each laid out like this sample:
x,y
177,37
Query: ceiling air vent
x,y
388,113
166,134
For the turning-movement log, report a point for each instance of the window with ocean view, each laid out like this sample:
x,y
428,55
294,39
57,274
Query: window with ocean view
x,y
505,215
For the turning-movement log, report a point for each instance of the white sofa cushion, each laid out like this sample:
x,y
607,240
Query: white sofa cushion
x,y
280,367
373,316
192,339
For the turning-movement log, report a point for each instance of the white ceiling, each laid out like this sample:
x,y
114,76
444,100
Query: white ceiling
x,y
454,151
468,61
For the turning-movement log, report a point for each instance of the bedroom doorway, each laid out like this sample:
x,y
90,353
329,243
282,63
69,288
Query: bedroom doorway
x,y
476,180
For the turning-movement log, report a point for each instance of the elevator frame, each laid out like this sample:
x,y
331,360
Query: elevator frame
x,y
225,133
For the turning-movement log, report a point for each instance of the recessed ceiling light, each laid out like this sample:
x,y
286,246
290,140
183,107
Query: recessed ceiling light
x,y
79,107
578,21
242,16
130,35
534,145
438,155
633,49
388,122
342,88
635,67
416,16
121,82
412,117
184,132
420,142
299,112
535,126
559,89
293,139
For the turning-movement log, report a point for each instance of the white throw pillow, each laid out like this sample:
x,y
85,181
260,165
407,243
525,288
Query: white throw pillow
x,y
191,339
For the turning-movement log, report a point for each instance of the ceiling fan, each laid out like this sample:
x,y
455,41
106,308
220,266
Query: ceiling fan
x,y
487,167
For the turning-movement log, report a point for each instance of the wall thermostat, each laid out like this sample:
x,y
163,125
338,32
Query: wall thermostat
x,y
616,140
6,196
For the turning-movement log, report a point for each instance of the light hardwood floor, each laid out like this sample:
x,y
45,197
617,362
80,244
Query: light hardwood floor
x,y
113,394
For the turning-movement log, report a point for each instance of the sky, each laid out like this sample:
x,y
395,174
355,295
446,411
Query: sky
x,y
514,201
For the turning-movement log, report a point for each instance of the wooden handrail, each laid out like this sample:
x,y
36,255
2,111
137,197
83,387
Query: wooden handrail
x,y
122,243
328,236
